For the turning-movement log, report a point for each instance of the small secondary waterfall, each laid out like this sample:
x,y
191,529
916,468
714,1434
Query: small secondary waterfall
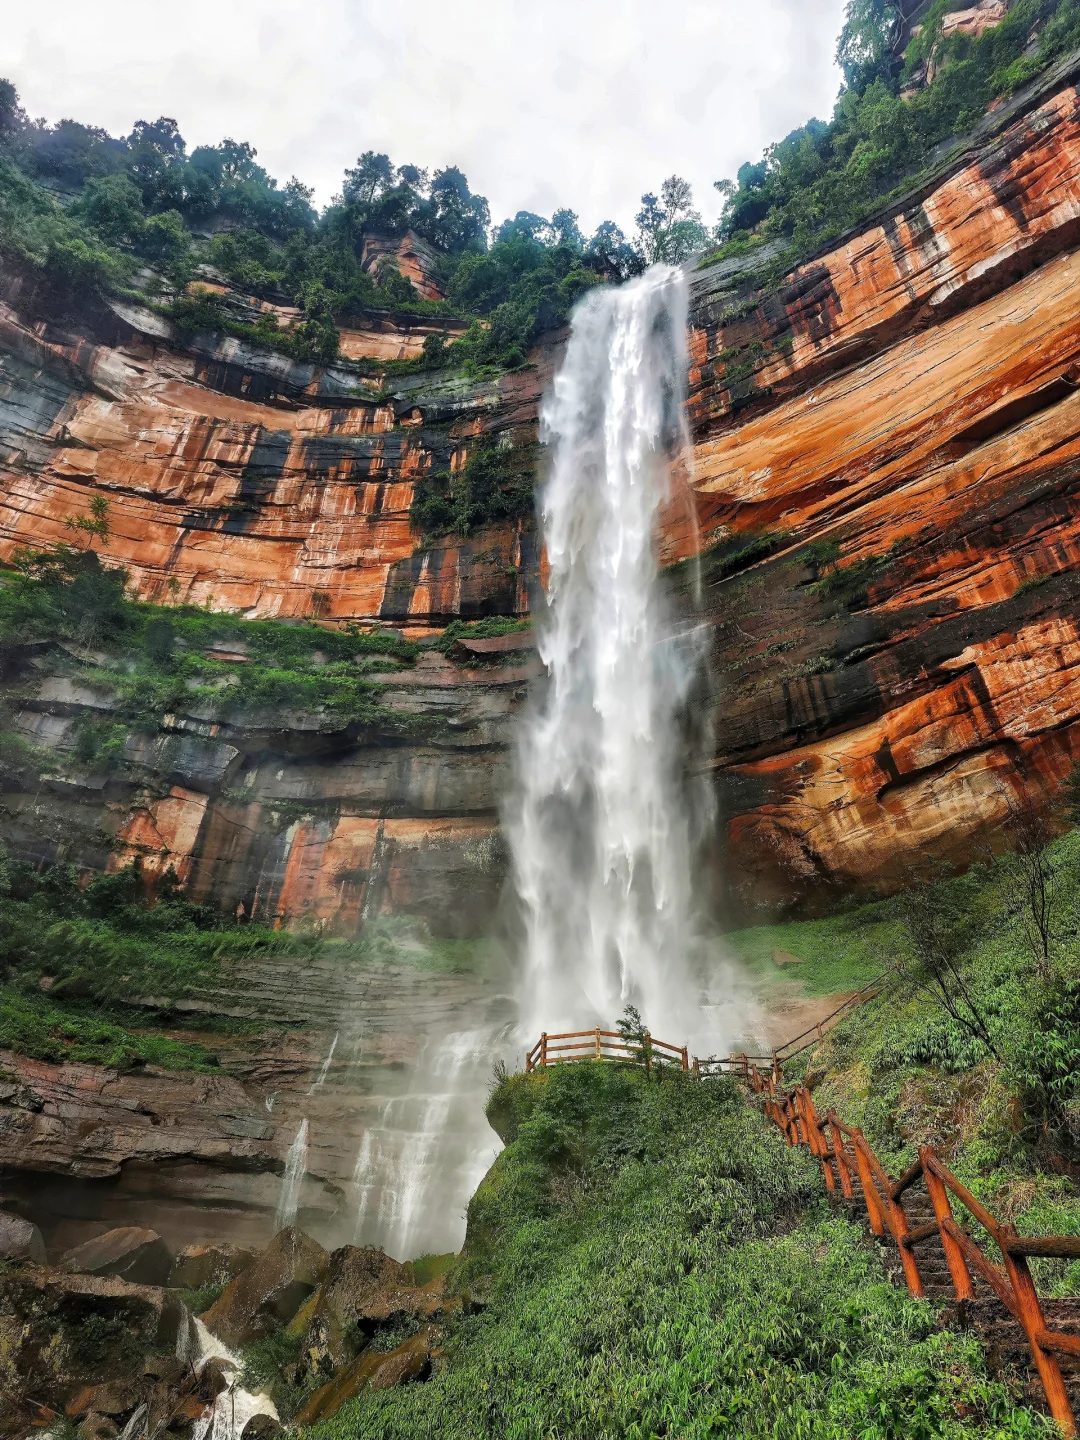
x,y
603,828
293,1179
418,1167
324,1069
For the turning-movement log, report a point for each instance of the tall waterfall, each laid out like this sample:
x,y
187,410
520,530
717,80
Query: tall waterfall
x,y
605,819
602,828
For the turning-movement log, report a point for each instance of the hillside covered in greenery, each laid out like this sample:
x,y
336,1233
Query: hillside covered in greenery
x,y
84,212
888,124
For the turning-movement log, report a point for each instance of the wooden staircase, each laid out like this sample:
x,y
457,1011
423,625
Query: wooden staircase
x,y
1033,1345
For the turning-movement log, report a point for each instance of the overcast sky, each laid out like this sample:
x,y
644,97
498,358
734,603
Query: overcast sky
x,y
542,103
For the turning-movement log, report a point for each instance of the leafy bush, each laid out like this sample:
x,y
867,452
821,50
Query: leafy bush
x,y
496,483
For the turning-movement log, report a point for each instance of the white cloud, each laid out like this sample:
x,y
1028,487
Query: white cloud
x,y
583,103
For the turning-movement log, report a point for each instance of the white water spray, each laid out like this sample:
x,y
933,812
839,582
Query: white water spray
x,y
417,1168
604,828
234,1406
293,1179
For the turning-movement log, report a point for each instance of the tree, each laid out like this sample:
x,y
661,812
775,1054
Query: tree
x,y
369,177
635,1035
94,526
114,207
936,931
12,115
611,255
669,228
864,50
1031,837
316,335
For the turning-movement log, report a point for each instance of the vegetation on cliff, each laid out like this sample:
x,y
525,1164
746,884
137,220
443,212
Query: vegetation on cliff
x,y
154,659
81,210
655,1261
825,177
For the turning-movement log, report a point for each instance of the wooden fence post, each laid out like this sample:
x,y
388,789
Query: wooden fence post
x,y
685,1058
866,1181
543,1048
598,1042
907,1254
954,1256
821,1145
648,1054
843,1169
1031,1317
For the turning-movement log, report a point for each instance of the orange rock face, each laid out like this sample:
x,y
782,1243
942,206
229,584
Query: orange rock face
x,y
908,401
886,463
244,481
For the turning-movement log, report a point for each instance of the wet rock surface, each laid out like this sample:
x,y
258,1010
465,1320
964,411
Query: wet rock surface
x,y
268,1293
107,1354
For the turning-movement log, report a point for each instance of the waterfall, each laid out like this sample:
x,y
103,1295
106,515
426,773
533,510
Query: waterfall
x,y
603,827
606,817
293,1179
419,1165
318,1083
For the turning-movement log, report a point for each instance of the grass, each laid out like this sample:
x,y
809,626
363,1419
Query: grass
x,y
32,1026
655,1263
840,953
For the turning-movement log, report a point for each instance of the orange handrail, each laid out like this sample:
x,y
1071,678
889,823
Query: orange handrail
x,y
601,1044
795,1115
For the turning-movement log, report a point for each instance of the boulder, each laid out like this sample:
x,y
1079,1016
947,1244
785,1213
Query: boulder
x,y
199,1265
270,1291
366,1286
62,1333
119,1397
373,1370
138,1256
261,1427
365,1290
20,1240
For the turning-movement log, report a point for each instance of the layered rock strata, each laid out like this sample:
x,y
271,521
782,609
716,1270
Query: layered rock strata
x,y
907,401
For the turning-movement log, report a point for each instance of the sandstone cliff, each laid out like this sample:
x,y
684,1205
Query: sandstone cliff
x,y
908,400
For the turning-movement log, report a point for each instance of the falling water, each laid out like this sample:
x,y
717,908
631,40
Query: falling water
x,y
320,1081
233,1406
605,822
293,1179
604,827
418,1166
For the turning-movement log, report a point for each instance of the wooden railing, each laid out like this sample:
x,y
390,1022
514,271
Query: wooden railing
x,y
848,1160
600,1044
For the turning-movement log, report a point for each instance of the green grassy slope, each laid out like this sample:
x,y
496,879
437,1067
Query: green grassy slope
x,y
656,1262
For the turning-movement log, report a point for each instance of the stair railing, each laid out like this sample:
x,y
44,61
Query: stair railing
x,y
847,1160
